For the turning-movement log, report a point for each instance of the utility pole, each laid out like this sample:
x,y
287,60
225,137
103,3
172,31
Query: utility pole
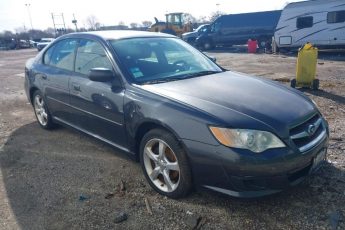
x,y
74,21
54,25
218,4
28,8
59,24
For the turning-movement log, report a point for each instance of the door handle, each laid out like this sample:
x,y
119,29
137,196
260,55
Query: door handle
x,y
44,77
76,87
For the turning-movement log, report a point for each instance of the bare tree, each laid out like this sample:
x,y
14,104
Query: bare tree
x,y
7,34
49,30
19,30
202,19
216,15
134,25
92,22
187,17
146,23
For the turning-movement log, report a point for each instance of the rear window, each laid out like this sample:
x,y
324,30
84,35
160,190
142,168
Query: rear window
x,y
63,54
48,55
305,22
336,17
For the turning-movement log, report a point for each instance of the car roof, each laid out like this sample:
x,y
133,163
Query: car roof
x,y
120,34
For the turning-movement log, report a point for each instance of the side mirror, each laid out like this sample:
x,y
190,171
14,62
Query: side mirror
x,y
101,75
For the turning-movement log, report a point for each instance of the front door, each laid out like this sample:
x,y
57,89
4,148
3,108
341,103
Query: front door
x,y
98,106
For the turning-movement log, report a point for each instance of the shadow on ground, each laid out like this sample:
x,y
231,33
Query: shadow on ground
x,y
47,172
327,95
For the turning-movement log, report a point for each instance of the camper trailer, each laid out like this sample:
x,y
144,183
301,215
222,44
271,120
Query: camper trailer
x,y
321,22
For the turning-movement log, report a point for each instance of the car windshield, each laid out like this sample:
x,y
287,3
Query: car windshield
x,y
156,60
202,28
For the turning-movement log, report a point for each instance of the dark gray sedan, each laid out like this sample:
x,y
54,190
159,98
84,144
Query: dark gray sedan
x,y
189,122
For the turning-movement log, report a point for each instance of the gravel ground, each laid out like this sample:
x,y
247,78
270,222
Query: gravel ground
x,y
62,179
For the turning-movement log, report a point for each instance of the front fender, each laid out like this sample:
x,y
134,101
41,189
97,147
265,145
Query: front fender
x,y
142,107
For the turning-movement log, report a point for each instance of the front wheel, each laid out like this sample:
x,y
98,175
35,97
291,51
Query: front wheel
x,y
316,84
41,111
165,164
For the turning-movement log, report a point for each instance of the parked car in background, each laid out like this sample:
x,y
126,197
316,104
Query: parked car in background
x,y
23,44
33,44
237,29
319,22
190,37
189,121
12,43
43,43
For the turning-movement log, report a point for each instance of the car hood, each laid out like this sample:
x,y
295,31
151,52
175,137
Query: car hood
x,y
239,100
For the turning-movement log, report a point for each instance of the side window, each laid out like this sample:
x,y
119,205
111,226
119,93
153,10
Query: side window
x,y
216,27
336,16
91,54
63,54
304,22
48,55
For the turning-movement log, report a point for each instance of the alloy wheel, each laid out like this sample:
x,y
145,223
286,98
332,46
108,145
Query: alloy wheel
x,y
161,165
40,110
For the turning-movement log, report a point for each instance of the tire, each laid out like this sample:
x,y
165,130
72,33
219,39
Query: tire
x,y
293,83
165,164
266,45
207,45
316,84
41,111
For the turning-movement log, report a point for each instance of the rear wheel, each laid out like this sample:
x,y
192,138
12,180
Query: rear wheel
x,y
41,111
207,45
165,164
293,83
316,84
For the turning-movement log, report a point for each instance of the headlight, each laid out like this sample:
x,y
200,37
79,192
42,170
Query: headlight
x,y
254,140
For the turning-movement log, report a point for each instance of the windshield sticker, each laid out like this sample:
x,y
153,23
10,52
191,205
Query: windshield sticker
x,y
136,72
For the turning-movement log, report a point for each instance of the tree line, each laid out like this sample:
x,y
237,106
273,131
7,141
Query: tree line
x,y
91,24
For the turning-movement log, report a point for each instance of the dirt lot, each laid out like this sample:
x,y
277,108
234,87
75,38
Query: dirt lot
x,y
62,179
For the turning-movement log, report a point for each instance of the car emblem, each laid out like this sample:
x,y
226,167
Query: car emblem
x,y
311,129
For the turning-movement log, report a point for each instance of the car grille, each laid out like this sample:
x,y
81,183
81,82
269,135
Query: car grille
x,y
308,134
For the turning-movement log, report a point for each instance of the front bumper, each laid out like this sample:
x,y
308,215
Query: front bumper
x,y
241,173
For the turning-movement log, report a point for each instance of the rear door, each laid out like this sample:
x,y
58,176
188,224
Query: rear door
x,y
97,106
57,67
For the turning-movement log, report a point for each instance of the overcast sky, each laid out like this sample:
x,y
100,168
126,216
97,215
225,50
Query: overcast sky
x,y
14,13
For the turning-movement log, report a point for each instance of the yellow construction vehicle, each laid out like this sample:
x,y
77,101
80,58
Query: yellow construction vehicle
x,y
174,24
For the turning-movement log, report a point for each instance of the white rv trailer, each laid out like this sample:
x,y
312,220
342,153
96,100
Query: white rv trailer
x,y
321,22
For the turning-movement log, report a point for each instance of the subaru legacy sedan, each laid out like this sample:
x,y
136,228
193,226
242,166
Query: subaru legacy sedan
x,y
190,123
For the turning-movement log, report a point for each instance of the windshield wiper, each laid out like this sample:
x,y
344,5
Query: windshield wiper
x,y
162,80
201,73
182,77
